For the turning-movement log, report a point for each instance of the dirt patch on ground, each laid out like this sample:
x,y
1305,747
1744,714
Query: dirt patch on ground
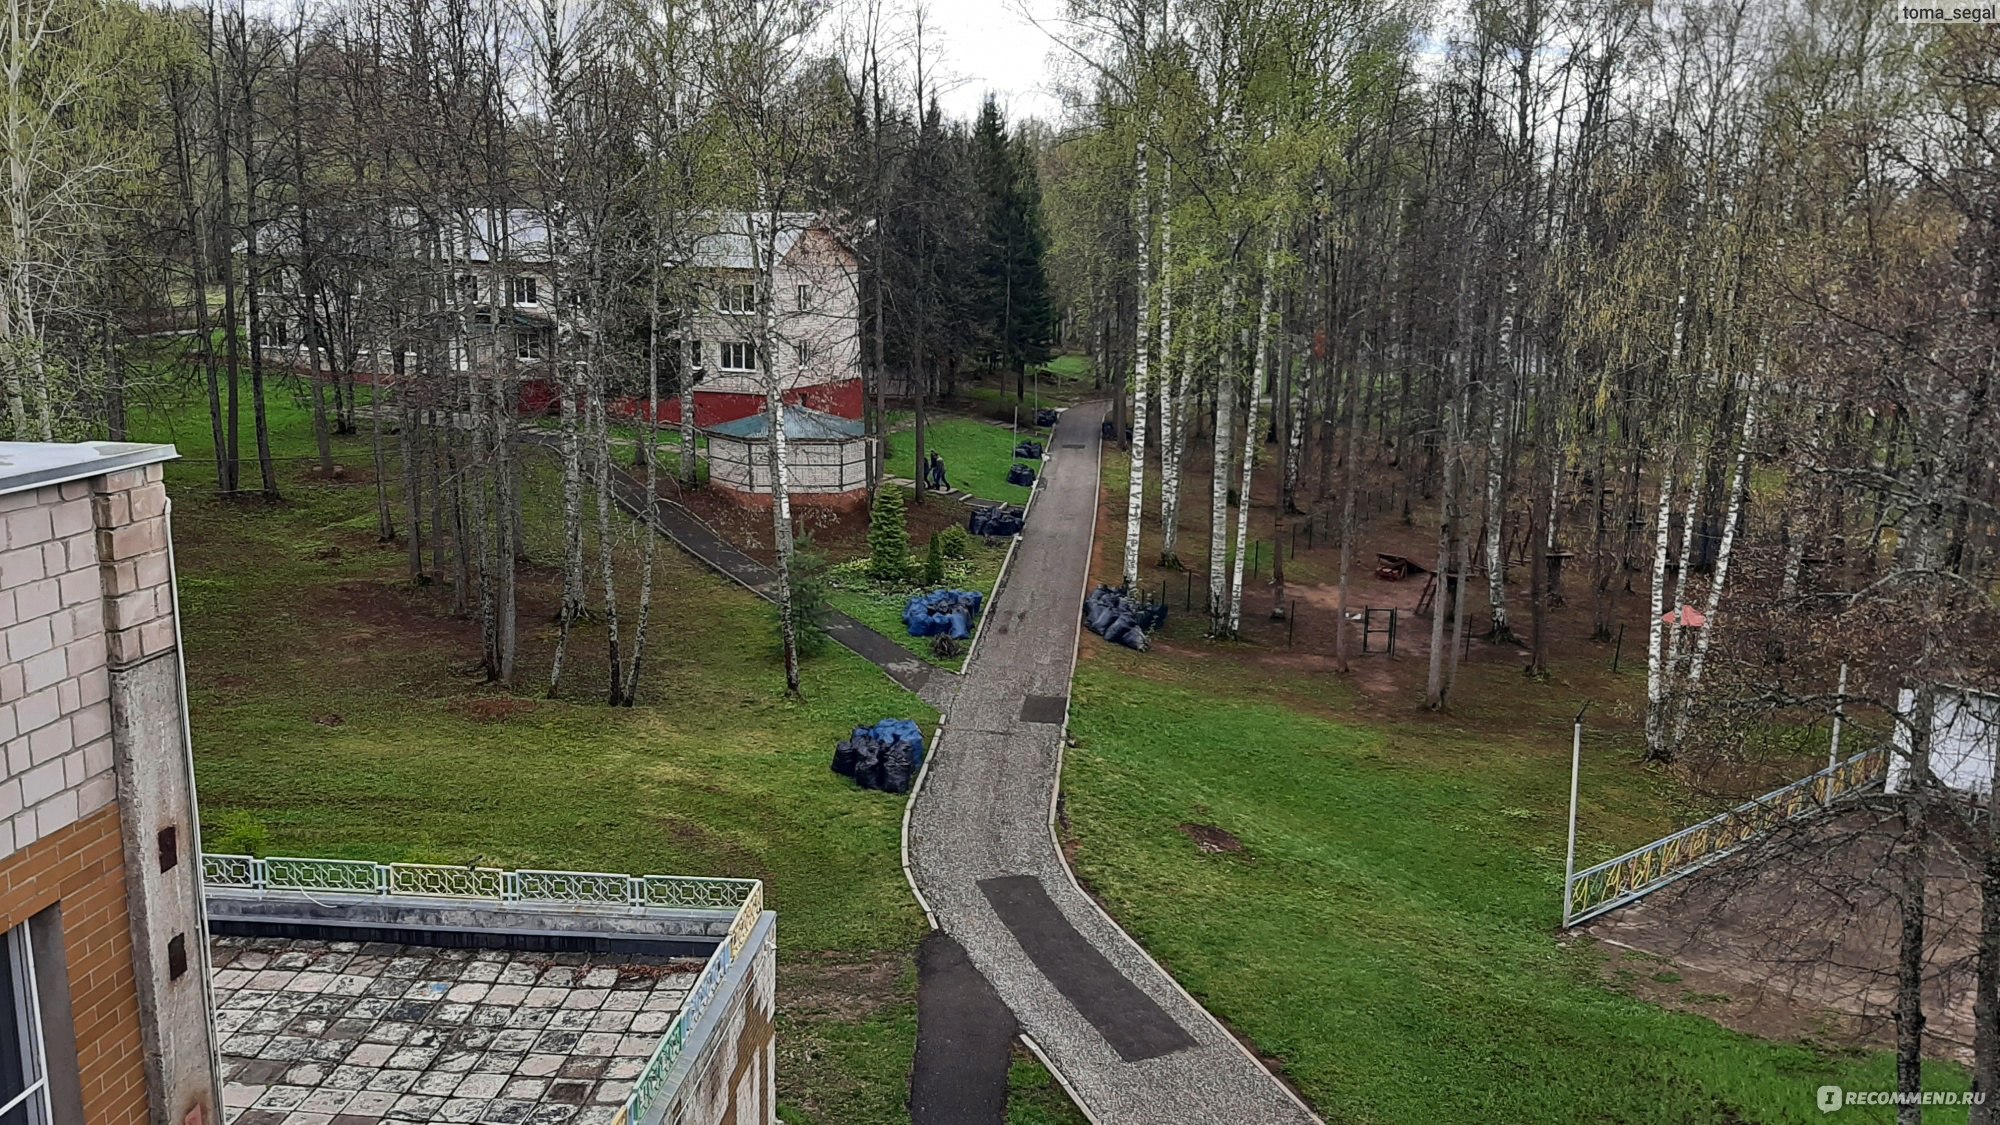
x,y
492,708
843,986
840,535
1210,839
1796,938
341,474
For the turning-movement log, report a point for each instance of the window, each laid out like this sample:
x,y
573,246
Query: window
x,y
804,354
738,356
521,291
527,344
24,1084
805,297
738,298
468,287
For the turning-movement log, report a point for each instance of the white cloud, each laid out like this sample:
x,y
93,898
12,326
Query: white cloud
x,y
989,46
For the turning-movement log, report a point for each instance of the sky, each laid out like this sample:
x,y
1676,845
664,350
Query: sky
x,y
989,45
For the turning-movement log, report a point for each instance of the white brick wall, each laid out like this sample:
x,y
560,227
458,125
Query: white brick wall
x,y
55,711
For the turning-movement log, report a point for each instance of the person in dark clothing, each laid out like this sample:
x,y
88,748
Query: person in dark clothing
x,y
937,467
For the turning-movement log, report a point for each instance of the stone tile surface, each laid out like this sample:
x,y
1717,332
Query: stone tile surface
x,y
344,1033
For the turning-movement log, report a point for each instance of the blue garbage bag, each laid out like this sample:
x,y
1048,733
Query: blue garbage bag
x,y
950,612
885,756
1111,613
999,520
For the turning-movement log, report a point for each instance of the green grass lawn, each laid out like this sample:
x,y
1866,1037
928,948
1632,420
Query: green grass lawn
x,y
976,456
1387,931
880,605
333,716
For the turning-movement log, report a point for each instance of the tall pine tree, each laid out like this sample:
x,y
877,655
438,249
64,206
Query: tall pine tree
x,y
1014,312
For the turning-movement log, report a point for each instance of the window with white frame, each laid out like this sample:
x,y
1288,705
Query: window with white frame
x,y
805,297
24,1077
527,345
738,355
738,298
523,291
804,354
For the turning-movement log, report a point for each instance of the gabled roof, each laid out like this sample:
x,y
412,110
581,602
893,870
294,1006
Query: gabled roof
x,y
801,424
727,242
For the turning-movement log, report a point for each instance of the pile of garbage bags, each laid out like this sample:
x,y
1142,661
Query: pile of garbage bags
x,y
1022,475
1032,450
1001,519
942,611
1111,613
885,756
1109,432
1047,417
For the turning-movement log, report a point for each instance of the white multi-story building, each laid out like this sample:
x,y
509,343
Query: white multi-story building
x,y
516,301
815,325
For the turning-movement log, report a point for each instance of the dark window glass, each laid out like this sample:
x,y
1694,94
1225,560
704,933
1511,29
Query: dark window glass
x,y
13,1048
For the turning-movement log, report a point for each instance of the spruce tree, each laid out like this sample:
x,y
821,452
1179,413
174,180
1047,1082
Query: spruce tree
x,y
1014,312
888,537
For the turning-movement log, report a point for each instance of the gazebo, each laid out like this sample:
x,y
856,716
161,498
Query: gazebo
x,y
826,459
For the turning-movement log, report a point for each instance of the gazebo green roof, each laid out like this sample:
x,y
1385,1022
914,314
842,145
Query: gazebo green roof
x,y
801,424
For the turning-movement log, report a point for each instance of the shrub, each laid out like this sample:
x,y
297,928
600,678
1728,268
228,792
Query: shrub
x,y
888,537
934,564
808,600
236,833
954,542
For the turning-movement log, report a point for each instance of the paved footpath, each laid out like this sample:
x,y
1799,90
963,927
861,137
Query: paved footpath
x,y
1129,1044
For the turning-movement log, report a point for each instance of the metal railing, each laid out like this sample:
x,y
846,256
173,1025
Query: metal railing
x,y
744,898
1615,882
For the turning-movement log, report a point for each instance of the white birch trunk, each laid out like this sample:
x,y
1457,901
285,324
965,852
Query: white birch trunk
x,y
1656,680
1260,368
1496,494
1173,455
1722,555
690,359
1218,508
1135,491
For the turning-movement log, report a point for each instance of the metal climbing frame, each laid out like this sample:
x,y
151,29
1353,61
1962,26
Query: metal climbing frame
x,y
1369,629
1615,882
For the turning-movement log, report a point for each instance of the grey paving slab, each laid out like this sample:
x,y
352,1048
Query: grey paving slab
x,y
983,813
316,1032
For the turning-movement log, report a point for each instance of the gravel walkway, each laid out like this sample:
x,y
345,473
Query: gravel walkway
x,y
1128,1043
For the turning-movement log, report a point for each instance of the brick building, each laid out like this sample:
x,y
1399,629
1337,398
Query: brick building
x,y
104,1007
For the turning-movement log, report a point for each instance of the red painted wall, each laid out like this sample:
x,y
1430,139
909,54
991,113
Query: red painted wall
x,y
711,408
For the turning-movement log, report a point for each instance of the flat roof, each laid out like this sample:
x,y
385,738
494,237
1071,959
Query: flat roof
x,y
318,1031
35,464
